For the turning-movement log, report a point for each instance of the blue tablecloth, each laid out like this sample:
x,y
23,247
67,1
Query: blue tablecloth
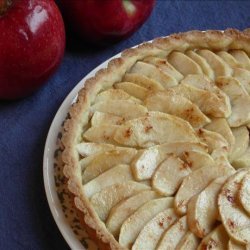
x,y
25,218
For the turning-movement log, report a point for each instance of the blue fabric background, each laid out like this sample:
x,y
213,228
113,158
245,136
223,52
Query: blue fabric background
x,y
25,219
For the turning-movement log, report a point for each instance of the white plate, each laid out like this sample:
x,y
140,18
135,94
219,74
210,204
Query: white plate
x,y
48,163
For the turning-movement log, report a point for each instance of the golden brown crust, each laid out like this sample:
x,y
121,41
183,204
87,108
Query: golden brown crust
x,y
105,78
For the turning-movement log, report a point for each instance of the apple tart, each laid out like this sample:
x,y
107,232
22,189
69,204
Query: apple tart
x,y
157,145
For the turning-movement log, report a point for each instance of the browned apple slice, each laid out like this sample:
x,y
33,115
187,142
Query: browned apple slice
x,y
101,134
143,81
201,214
184,64
220,126
217,239
241,57
165,66
234,218
103,201
219,67
243,161
126,208
212,139
202,82
207,101
147,160
133,89
172,103
173,235
90,148
168,176
229,59
153,230
220,157
206,68
189,241
243,76
195,182
123,108
239,98
232,245
156,128
110,177
115,94
100,118
244,194
241,136
106,160
154,73
133,225
196,159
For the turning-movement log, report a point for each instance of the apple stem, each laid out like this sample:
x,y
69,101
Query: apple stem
x,y
4,5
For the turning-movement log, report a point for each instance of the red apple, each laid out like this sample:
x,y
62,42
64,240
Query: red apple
x,y
32,43
104,21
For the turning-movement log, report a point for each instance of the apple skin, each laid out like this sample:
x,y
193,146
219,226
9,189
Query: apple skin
x,y
32,44
105,21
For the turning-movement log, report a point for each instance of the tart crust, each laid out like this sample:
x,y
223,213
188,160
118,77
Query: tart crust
x,y
105,78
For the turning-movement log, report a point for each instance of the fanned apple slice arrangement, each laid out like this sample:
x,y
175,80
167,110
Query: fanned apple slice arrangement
x,y
164,156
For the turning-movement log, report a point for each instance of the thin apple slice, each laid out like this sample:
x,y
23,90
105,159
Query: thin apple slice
x,y
126,208
220,126
207,101
184,64
232,245
212,139
90,148
234,218
189,241
229,59
156,128
133,89
241,136
133,225
143,81
170,102
217,239
100,118
243,161
101,134
244,194
242,57
115,94
173,235
106,160
220,157
203,83
243,76
110,177
151,233
239,98
206,68
122,108
168,176
219,67
196,159
147,160
201,215
195,182
103,201
154,73
165,66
